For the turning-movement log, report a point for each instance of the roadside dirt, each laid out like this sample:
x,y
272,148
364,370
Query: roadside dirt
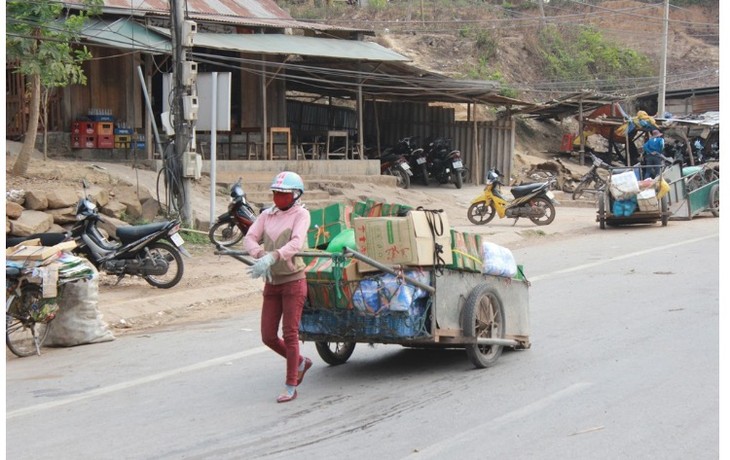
x,y
218,287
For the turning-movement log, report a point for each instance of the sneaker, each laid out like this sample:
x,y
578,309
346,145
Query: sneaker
x,y
286,397
307,365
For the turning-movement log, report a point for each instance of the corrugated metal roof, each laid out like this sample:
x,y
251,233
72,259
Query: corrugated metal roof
x,y
249,13
294,45
125,34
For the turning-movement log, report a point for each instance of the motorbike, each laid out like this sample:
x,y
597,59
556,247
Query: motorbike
x,y
231,226
416,157
444,163
394,163
151,251
592,181
534,201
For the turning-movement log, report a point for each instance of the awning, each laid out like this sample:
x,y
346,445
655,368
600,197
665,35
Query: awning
x,y
125,34
293,45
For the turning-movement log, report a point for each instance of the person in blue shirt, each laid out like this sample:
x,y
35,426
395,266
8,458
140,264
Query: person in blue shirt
x,y
653,153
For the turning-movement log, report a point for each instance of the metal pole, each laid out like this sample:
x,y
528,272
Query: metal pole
x,y
149,110
213,142
663,73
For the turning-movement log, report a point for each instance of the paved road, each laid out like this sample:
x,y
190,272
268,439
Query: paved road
x,y
624,364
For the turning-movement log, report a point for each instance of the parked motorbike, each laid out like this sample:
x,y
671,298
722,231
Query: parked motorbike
x,y
415,156
140,250
393,163
534,201
231,226
444,163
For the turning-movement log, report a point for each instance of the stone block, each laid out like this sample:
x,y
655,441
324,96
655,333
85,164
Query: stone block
x,y
62,198
35,200
30,222
13,210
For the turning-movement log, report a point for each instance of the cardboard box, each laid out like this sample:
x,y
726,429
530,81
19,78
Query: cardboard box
x,y
405,240
326,223
463,257
330,286
647,200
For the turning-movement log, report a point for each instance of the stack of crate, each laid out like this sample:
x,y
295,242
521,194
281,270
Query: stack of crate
x,y
83,134
123,138
104,134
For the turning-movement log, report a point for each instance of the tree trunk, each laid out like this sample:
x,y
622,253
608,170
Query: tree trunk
x,y
23,161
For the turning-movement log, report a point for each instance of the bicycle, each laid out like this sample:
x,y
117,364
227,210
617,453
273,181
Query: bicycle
x,y
592,181
27,313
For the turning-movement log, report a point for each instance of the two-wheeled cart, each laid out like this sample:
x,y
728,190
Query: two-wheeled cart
x,y
694,190
652,210
445,308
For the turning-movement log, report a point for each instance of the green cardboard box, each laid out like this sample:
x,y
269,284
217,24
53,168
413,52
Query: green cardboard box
x,y
326,223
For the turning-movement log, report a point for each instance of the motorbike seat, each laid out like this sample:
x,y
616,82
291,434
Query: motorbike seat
x,y
522,190
135,232
389,157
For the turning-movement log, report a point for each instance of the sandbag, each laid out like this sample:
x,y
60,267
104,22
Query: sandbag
x,y
78,320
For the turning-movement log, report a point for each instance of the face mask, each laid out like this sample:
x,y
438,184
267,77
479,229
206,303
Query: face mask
x,y
283,200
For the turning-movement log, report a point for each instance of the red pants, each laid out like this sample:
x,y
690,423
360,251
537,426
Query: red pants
x,y
283,303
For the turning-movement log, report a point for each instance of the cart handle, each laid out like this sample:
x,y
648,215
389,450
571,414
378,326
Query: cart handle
x,y
243,256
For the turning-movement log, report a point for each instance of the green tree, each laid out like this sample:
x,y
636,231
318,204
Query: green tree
x,y
39,37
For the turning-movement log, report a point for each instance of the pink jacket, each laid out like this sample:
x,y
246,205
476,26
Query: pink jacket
x,y
282,232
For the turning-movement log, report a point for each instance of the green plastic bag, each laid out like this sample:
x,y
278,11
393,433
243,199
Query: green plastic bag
x,y
346,238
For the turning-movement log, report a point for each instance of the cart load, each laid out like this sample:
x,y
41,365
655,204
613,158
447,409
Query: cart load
x,y
394,274
631,199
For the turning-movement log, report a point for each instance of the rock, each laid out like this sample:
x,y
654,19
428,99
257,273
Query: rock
x,y
13,210
30,222
35,200
114,209
55,228
62,198
98,195
150,209
16,196
128,197
63,215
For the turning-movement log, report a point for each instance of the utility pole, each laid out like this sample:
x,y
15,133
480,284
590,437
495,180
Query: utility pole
x,y
184,107
663,73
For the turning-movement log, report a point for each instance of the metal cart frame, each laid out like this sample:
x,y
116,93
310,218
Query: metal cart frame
x,y
605,216
477,312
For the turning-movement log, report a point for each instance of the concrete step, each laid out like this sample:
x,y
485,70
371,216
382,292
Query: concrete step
x,y
262,181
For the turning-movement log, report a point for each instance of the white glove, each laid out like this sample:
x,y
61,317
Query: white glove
x,y
262,267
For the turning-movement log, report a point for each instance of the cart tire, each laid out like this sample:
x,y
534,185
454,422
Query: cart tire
x,y
481,213
715,200
602,212
335,353
483,317
664,206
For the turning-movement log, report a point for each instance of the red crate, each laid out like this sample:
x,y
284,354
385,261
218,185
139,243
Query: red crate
x,y
105,142
104,128
82,127
88,141
76,141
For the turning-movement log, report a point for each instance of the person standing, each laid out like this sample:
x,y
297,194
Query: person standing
x,y
274,238
653,153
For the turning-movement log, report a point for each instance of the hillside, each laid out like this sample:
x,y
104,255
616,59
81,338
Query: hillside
x,y
453,38
459,38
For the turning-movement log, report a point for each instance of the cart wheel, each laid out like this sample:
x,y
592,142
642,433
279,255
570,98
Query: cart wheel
x,y
335,353
483,317
602,211
715,200
664,203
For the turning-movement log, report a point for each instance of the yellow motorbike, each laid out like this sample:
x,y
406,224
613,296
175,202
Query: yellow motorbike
x,y
534,201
